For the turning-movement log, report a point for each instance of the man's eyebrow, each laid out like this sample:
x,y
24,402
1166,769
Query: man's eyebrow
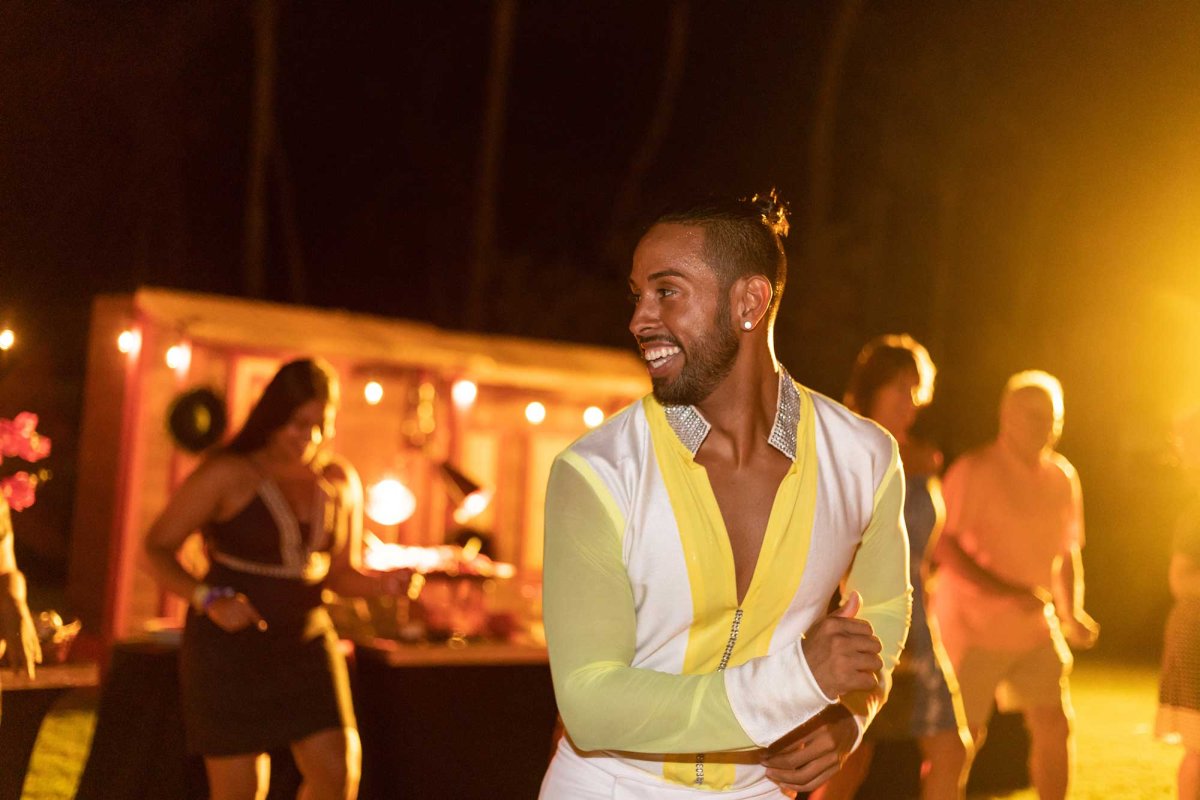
x,y
666,273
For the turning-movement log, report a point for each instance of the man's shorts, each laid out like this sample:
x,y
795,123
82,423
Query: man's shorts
x,y
1035,678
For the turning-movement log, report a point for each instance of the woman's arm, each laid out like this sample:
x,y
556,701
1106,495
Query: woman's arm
x,y
193,505
346,574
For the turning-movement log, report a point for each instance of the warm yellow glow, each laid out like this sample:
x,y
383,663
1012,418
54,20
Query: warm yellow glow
x,y
472,506
129,342
535,412
463,393
593,416
390,502
179,357
7,339
373,393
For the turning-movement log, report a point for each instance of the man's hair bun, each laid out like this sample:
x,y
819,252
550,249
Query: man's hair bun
x,y
774,210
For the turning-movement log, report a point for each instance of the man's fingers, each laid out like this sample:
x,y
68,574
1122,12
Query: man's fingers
x,y
851,607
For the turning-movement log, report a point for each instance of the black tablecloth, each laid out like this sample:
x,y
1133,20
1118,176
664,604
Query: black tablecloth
x,y
436,731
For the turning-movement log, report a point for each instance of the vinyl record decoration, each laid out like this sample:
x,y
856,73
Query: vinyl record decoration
x,y
197,419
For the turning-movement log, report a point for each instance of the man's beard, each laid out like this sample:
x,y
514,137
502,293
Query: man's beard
x,y
706,363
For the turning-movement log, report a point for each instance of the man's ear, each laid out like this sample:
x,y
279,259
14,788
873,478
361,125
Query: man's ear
x,y
750,299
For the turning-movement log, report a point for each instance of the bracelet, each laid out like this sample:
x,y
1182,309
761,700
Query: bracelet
x,y
212,595
198,595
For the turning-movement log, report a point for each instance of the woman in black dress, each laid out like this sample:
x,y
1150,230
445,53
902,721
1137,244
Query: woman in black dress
x,y
260,666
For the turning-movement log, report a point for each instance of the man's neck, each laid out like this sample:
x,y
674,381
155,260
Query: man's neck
x,y
1023,455
742,409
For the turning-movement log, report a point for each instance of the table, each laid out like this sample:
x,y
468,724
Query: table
x,y
477,722
418,708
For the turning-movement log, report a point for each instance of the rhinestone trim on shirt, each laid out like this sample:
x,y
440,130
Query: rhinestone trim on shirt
x,y
692,428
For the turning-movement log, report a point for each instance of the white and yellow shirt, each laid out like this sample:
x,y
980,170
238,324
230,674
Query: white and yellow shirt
x,y
666,685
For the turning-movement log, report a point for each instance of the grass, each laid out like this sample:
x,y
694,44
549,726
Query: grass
x,y
1117,754
62,746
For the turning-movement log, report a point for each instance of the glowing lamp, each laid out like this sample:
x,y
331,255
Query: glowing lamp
x,y
472,506
129,342
535,412
469,498
7,339
390,502
373,393
179,357
463,393
593,416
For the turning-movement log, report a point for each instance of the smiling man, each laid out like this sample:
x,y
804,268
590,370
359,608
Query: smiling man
x,y
694,541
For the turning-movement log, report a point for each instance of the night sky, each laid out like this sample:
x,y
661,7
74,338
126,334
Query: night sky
x,y
1016,184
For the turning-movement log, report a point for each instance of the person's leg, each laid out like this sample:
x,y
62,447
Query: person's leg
x,y
330,762
979,672
845,782
1189,775
1049,750
238,777
1039,685
944,765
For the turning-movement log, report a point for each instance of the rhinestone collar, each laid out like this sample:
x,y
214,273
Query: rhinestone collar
x,y
692,428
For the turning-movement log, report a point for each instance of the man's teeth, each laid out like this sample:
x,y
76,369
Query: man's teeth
x,y
658,356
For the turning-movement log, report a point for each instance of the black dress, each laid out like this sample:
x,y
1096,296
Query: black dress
x,y
254,691
1179,689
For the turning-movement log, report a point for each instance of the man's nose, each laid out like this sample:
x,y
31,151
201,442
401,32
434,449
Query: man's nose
x,y
644,318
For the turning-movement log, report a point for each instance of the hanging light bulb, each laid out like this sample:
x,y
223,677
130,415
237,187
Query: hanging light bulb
x,y
390,502
535,412
129,341
179,357
463,393
593,416
373,393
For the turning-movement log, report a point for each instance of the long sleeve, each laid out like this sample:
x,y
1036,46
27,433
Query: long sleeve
x,y
880,574
591,627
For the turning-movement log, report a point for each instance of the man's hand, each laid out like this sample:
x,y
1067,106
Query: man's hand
x,y
843,652
806,758
1081,631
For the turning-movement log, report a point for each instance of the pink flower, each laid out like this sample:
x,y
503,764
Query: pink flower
x,y
19,437
19,490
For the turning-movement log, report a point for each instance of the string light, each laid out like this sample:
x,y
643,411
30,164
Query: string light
x,y
7,339
179,357
373,393
593,416
129,341
463,393
535,412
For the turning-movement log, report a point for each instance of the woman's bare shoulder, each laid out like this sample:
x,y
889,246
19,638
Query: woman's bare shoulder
x,y
225,469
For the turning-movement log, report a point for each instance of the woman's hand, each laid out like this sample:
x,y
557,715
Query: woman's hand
x,y
394,583
232,614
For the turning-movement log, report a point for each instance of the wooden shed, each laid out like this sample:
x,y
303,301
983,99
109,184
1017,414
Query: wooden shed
x,y
498,409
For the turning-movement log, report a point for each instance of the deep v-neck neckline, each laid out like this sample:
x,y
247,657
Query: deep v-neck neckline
x,y
781,502
271,484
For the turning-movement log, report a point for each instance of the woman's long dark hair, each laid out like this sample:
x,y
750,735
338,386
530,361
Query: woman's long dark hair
x,y
296,383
